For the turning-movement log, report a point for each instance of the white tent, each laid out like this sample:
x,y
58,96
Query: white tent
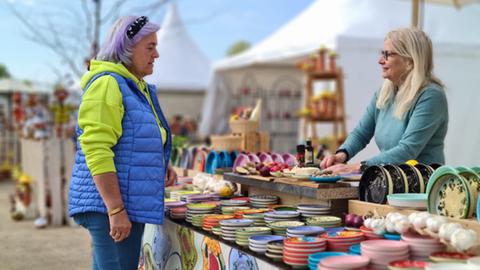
x,y
355,29
181,73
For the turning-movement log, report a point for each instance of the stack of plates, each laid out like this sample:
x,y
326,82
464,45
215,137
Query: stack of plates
x,y
344,262
258,243
383,252
355,249
217,231
258,219
197,220
315,258
177,194
422,246
230,226
280,227
275,250
200,198
210,221
304,231
341,241
242,235
233,203
325,221
281,216
178,212
230,210
263,201
312,210
369,234
194,209
242,212
297,249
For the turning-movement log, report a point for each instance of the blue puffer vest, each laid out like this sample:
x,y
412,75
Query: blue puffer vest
x,y
140,159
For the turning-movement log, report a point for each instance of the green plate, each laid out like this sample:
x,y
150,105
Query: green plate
x,y
448,194
473,181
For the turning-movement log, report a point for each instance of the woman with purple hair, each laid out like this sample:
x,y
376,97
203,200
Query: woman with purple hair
x,y
124,143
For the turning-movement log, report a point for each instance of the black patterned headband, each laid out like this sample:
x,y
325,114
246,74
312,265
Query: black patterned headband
x,y
135,26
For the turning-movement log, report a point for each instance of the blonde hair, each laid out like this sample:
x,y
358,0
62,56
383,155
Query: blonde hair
x,y
415,47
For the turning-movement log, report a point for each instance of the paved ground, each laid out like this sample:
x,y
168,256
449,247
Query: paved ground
x,y
23,247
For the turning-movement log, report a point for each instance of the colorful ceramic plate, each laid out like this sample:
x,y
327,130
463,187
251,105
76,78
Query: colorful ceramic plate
x,y
407,265
416,184
325,179
448,194
399,179
450,256
473,181
375,185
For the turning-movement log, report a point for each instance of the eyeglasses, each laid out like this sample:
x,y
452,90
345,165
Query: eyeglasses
x,y
386,54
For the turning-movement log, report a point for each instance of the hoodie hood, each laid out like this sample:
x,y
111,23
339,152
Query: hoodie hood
x,y
97,66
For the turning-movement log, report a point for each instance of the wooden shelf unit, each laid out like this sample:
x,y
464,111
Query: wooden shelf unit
x,y
338,117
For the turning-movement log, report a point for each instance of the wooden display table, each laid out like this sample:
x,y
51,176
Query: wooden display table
x,y
362,208
293,192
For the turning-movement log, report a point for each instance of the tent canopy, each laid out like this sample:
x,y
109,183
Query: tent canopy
x,y
13,85
324,21
182,66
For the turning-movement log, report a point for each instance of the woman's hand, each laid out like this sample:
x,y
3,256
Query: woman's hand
x,y
330,160
120,226
344,168
171,176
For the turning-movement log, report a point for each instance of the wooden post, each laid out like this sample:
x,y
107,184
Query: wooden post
x,y
415,12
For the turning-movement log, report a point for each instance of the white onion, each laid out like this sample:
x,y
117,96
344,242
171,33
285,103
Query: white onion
x,y
420,221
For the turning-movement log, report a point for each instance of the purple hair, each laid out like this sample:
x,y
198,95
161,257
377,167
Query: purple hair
x,y
118,47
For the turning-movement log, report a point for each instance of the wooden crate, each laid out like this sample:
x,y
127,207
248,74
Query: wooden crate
x,y
243,126
227,142
255,142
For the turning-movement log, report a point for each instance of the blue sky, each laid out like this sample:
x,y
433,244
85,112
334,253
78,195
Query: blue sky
x,y
213,24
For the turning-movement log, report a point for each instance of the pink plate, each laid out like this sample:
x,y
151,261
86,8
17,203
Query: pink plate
x,y
241,160
345,261
415,238
382,245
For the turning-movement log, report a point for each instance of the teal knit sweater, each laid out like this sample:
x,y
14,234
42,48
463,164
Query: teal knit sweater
x,y
419,135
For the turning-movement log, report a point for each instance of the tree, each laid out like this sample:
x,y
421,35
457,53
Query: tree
x,y
4,72
238,47
71,29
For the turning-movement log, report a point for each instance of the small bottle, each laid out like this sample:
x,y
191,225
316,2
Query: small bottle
x,y
309,157
301,155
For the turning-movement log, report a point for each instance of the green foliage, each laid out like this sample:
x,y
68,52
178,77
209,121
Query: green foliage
x,y
179,141
238,47
4,72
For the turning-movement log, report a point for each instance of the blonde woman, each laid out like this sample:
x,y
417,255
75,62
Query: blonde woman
x,y
408,116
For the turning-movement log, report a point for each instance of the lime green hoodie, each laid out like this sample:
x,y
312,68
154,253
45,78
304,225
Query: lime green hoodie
x,y
101,112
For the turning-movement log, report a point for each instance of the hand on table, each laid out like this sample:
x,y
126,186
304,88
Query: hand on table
x,y
331,160
171,177
344,168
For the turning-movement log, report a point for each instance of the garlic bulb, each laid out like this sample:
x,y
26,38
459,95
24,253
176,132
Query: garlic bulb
x,y
434,223
390,227
446,230
378,226
412,217
420,220
463,239
402,225
368,223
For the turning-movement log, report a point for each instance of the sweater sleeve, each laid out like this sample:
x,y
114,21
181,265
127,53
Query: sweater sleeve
x,y
363,132
427,116
100,117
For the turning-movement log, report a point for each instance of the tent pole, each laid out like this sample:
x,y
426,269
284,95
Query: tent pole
x,y
415,8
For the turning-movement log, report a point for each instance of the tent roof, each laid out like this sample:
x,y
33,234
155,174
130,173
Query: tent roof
x,y
324,21
13,85
181,65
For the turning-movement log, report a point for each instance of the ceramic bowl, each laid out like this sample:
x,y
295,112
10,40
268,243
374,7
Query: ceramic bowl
x,y
375,185
265,157
253,158
416,184
289,159
408,200
212,163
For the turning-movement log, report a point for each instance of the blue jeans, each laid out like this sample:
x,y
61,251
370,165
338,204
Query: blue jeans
x,y
108,255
